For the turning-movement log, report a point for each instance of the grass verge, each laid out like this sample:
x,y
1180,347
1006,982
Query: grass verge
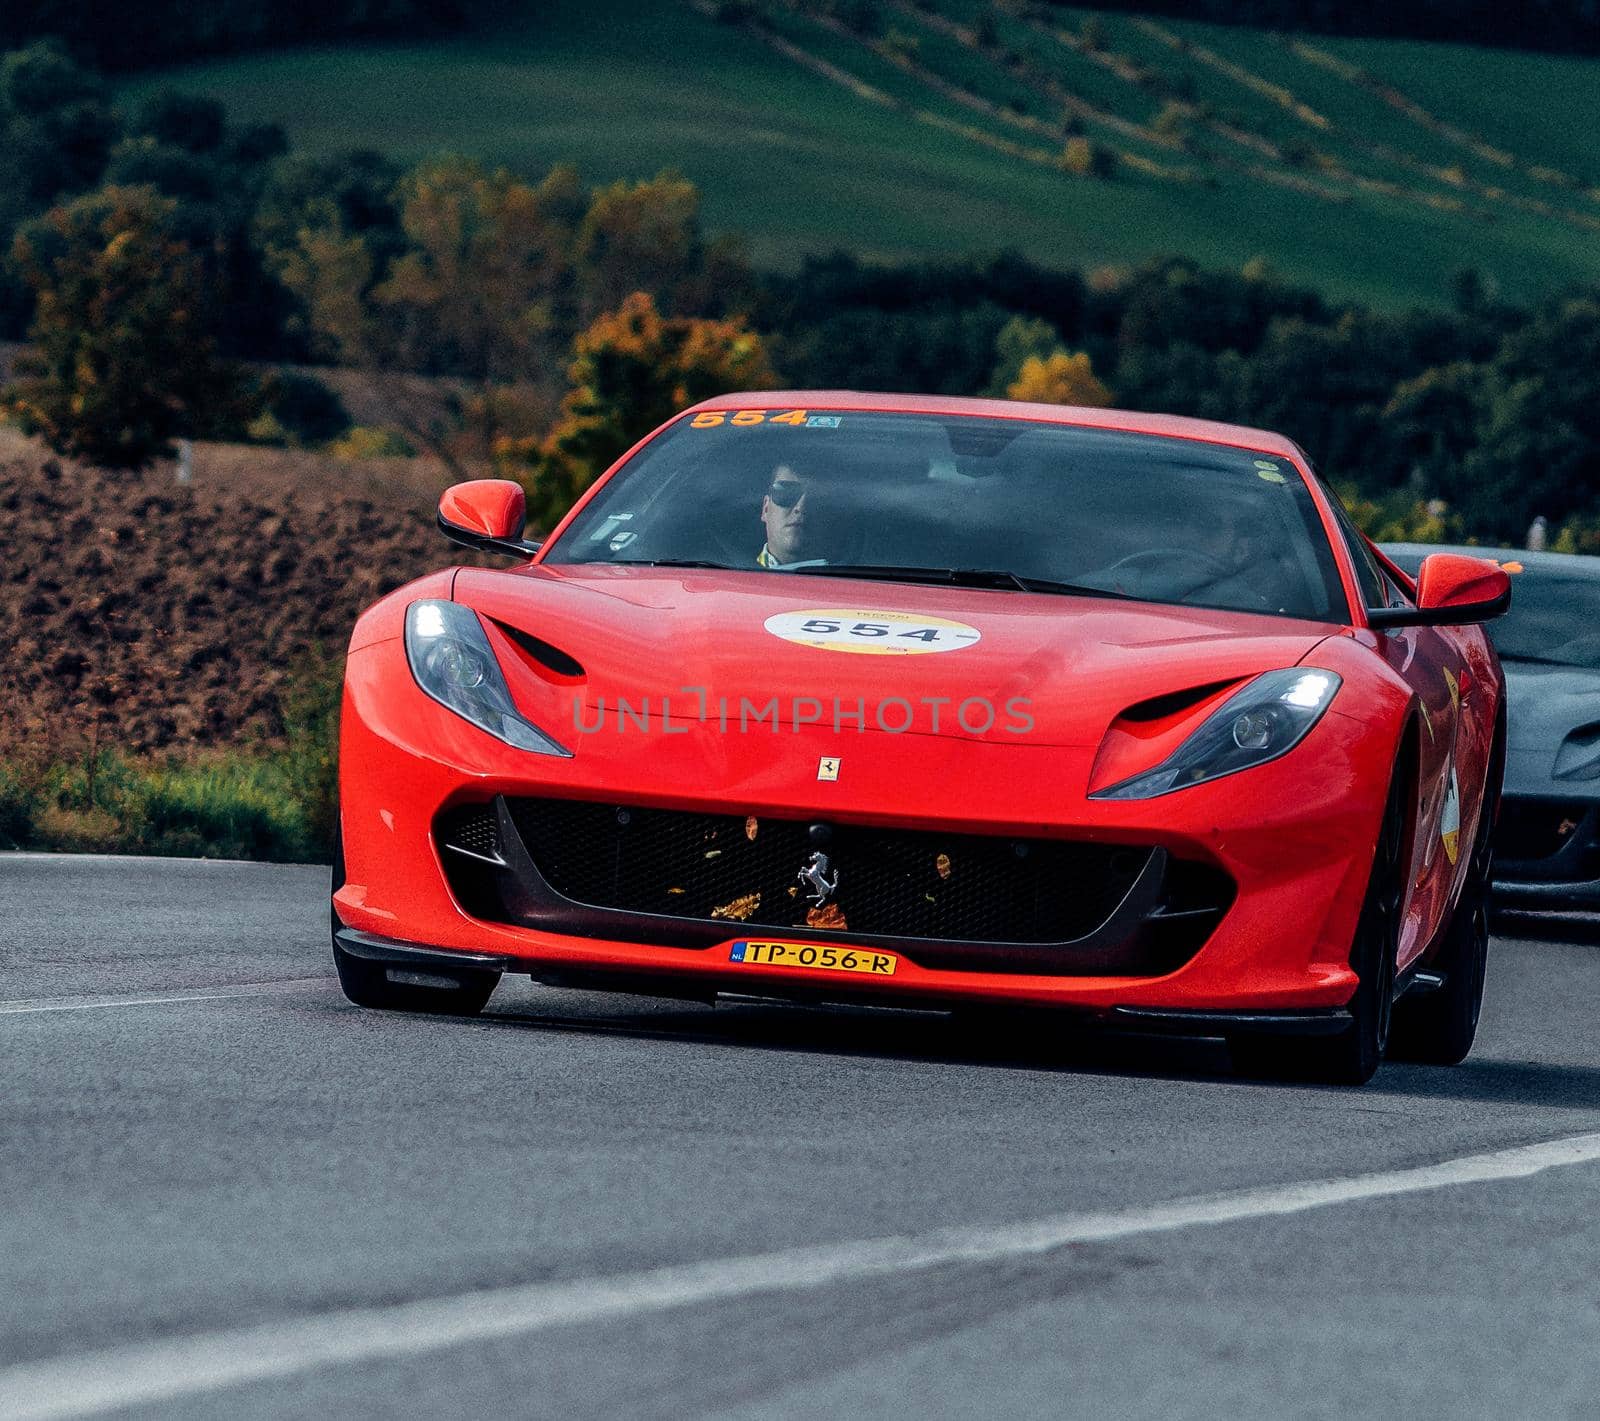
x,y
275,807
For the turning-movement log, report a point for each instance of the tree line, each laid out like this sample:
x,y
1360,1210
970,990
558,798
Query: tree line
x,y
155,259
156,32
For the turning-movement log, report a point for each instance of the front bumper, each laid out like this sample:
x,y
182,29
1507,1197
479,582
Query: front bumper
x,y
413,957
1294,837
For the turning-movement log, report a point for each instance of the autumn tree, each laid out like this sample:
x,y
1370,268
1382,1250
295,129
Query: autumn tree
x,y
479,285
1019,338
631,370
124,350
56,130
647,236
1059,378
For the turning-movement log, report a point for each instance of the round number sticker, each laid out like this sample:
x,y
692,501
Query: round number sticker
x,y
871,633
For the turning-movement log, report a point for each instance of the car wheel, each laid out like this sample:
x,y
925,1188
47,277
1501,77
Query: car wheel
x,y
1351,1057
1438,1027
391,986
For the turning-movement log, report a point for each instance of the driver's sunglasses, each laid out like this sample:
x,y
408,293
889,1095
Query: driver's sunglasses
x,y
787,492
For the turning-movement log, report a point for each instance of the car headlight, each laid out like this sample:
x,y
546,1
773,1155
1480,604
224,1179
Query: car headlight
x,y
1259,722
451,658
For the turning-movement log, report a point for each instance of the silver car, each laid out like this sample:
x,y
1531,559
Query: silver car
x,y
1547,846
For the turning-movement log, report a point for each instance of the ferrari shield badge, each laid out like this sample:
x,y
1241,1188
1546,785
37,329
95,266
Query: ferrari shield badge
x,y
1450,819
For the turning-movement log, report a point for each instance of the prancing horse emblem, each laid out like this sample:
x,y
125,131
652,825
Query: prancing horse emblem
x,y
814,876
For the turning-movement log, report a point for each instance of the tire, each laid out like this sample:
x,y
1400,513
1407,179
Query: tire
x,y
458,991
1353,1056
1438,1027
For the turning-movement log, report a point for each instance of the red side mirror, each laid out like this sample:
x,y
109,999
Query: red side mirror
x,y
486,513
1449,581
1452,590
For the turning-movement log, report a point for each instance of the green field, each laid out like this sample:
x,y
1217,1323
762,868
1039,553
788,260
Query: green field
x,y
803,163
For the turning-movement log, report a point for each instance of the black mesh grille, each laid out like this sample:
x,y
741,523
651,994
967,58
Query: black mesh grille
x,y
1530,829
891,882
473,830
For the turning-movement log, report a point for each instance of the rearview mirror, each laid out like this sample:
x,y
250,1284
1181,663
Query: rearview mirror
x,y
487,514
1452,591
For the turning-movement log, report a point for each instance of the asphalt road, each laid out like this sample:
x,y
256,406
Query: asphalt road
x,y
225,1191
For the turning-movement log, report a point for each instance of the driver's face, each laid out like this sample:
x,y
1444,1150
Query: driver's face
x,y
1227,542
783,511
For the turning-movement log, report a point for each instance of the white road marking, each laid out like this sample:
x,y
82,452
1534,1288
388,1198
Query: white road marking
x,y
243,989
161,1371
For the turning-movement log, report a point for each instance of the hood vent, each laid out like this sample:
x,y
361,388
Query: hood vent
x,y
1173,703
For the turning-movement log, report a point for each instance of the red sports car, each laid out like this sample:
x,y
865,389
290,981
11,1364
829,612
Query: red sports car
x,y
913,701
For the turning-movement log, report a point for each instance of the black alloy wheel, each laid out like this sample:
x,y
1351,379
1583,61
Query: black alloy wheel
x,y
1438,1027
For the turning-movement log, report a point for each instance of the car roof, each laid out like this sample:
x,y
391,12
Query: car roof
x,y
1573,564
1132,421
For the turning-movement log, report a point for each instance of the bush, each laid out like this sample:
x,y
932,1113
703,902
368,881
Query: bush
x,y
364,441
309,709
19,808
1084,158
219,809
218,805
301,412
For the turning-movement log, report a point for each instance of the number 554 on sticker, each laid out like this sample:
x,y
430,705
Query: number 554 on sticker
x,y
871,633
747,419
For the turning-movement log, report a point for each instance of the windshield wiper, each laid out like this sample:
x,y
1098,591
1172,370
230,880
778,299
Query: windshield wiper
x,y
668,562
963,577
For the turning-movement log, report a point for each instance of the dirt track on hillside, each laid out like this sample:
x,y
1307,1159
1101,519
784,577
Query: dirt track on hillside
x,y
150,615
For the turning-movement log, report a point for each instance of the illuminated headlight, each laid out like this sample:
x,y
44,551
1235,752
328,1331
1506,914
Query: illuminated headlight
x,y
451,658
1264,720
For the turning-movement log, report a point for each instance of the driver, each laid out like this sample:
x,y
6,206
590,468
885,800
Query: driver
x,y
1235,540
783,512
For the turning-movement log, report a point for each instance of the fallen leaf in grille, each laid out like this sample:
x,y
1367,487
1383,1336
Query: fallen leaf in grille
x,y
677,890
830,917
739,909
942,863
713,853
752,826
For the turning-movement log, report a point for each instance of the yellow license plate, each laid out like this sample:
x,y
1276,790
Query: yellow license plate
x,y
806,954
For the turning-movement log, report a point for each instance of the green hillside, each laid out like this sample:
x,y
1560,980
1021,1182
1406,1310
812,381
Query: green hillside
x,y
1368,169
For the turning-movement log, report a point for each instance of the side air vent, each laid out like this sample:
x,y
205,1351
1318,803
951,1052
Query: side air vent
x,y
552,658
471,852
474,832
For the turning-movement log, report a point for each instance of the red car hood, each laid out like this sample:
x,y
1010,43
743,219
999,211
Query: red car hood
x,y
1075,663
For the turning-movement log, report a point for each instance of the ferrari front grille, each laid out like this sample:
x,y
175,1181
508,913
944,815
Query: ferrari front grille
x,y
958,902
890,882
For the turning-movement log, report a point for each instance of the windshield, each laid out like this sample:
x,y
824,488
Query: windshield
x,y
909,497
1552,618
